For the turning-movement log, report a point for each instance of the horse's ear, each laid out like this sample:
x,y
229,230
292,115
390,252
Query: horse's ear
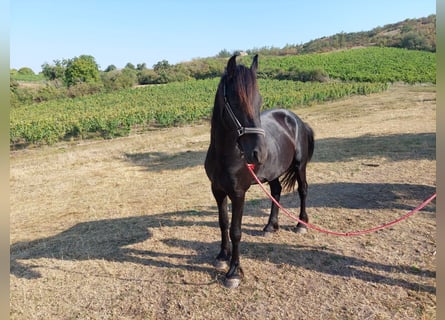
x,y
254,65
231,66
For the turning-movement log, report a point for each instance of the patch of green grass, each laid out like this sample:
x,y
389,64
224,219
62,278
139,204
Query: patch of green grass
x,y
28,77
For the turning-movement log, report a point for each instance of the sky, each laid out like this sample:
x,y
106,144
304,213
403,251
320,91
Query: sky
x,y
137,31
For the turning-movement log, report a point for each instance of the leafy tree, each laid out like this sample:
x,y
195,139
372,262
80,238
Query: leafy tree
x,y
141,66
131,66
26,71
82,69
111,67
413,41
161,66
164,71
224,53
56,71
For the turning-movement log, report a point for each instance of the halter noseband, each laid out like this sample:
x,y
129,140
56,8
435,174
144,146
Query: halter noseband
x,y
239,128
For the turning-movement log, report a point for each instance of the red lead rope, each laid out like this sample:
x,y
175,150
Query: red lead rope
x,y
345,234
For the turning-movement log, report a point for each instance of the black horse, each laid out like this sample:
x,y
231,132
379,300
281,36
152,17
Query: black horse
x,y
277,142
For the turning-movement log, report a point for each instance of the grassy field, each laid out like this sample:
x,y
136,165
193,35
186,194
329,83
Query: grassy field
x,y
128,229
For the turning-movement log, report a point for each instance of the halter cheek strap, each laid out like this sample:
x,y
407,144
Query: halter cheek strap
x,y
239,128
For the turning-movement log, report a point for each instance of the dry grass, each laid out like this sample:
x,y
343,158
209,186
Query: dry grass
x,y
127,228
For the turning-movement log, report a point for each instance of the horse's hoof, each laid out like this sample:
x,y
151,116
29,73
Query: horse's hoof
x,y
268,234
232,283
221,265
301,230
268,230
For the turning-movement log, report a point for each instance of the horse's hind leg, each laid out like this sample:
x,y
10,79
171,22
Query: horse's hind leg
x,y
272,225
302,192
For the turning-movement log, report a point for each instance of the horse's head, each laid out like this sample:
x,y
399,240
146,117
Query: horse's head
x,y
241,111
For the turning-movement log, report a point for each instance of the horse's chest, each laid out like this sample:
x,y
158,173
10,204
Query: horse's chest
x,y
228,177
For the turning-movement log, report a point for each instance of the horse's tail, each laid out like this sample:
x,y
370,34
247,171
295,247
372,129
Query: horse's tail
x,y
290,176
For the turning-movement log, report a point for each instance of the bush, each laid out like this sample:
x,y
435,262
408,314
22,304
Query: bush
x,y
21,96
49,92
414,41
83,89
313,75
295,74
26,71
119,79
204,68
148,76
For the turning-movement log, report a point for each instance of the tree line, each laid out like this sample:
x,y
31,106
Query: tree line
x,y
80,76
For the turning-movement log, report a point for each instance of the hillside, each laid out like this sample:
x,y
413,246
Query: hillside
x,y
416,34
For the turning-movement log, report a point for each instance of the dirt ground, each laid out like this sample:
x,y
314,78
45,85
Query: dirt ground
x,y
128,228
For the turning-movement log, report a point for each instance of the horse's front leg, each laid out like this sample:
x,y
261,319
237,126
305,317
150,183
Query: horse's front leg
x,y
222,260
233,277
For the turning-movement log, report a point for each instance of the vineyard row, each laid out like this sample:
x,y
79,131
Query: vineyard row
x,y
115,114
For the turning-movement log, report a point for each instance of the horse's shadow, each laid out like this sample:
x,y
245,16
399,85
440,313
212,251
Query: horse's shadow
x,y
369,196
158,161
109,240
395,147
102,240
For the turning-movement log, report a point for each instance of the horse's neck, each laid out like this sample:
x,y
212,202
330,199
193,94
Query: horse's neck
x,y
223,141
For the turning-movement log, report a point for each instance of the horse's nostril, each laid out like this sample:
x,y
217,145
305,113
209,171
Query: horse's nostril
x,y
255,155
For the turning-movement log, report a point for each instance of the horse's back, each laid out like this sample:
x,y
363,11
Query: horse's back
x,y
280,122
288,138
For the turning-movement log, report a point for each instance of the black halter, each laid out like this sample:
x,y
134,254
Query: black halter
x,y
239,128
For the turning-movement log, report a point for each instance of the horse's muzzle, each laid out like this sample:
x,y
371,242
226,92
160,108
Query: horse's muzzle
x,y
253,157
